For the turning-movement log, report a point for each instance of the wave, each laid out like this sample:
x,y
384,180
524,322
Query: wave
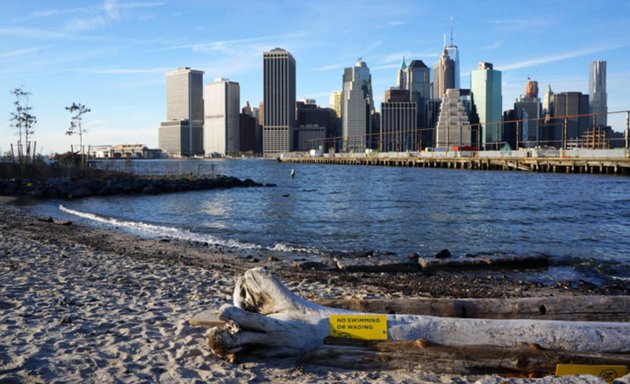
x,y
154,230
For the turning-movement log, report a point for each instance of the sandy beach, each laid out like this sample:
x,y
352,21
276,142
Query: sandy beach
x,y
84,305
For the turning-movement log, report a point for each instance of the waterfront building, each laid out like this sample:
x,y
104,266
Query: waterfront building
x,y
357,106
248,132
597,92
311,136
528,110
279,101
485,85
181,134
398,128
222,118
572,108
310,114
443,75
453,126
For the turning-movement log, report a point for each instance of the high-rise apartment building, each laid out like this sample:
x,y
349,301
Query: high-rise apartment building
x,y
453,126
598,95
485,85
398,128
182,132
221,124
279,101
356,107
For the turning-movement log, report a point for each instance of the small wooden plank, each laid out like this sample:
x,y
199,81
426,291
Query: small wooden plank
x,y
376,264
483,262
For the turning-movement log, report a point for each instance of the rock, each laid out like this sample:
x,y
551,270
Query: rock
x,y
443,254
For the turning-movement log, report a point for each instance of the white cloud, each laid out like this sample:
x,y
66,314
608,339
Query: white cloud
x,y
395,23
559,57
409,55
109,11
327,68
22,52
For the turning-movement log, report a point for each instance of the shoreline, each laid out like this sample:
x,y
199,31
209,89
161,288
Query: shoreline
x,y
83,304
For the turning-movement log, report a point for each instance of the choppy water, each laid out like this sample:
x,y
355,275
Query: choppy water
x,y
400,210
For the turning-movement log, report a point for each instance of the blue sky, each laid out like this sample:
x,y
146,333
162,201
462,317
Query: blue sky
x,y
112,55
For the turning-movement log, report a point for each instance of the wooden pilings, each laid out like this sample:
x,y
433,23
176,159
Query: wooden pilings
x,y
616,166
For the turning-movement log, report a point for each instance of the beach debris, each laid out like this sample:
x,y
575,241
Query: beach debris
x,y
53,221
268,320
443,254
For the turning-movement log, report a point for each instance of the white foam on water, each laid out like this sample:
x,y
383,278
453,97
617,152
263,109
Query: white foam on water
x,y
181,234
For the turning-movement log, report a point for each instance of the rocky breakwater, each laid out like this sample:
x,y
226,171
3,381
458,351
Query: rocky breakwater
x,y
72,188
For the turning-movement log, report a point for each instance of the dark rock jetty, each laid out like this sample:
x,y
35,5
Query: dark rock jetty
x,y
73,188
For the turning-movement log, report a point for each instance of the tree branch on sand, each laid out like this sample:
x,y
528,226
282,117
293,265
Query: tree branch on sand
x,y
267,320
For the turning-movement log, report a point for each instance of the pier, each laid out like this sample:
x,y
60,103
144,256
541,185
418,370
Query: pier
x,y
614,162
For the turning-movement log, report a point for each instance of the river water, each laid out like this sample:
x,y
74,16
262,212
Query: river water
x,y
575,219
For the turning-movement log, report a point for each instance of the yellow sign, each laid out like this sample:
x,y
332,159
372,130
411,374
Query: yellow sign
x,y
364,327
606,372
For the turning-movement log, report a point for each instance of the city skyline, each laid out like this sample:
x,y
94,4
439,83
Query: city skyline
x,y
112,56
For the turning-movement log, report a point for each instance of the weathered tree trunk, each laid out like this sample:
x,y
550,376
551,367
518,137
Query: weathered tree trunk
x,y
267,316
572,308
525,360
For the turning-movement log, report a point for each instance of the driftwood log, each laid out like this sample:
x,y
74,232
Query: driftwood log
x,y
268,320
520,360
571,308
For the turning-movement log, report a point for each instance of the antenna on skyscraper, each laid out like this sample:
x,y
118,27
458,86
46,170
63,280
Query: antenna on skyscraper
x,y
451,30
444,46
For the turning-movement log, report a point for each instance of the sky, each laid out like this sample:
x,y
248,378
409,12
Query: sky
x,y
111,55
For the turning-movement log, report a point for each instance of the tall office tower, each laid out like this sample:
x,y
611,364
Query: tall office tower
x,y
528,109
221,125
279,101
419,86
453,53
453,127
398,131
598,95
356,107
547,105
401,80
335,102
443,75
546,129
567,106
182,132
485,85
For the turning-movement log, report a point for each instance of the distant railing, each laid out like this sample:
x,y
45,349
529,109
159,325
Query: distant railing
x,y
10,170
174,168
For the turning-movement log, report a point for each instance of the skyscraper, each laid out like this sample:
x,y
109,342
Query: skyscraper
x,y
279,101
453,127
356,107
398,122
528,109
335,102
485,85
419,86
572,108
453,53
182,132
222,110
598,95
401,80
443,75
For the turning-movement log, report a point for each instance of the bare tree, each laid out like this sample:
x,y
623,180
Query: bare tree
x,y
77,110
23,121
